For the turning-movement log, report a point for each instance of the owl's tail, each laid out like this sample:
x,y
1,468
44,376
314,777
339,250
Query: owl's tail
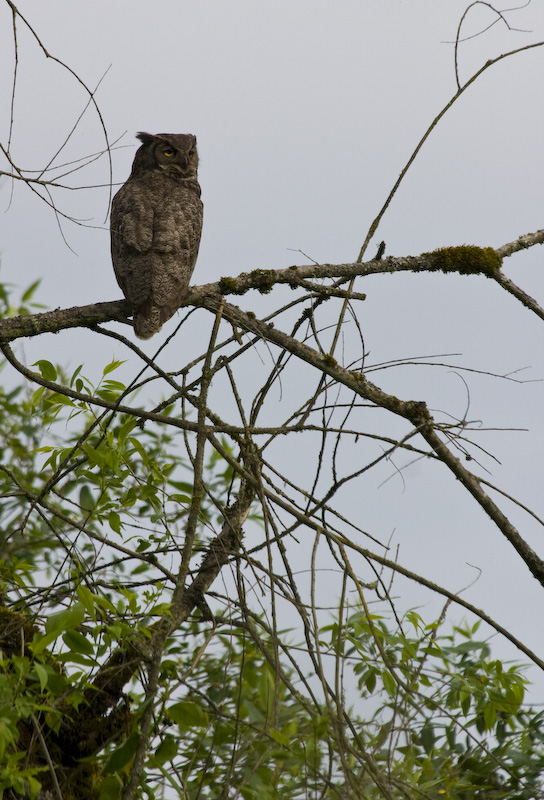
x,y
147,322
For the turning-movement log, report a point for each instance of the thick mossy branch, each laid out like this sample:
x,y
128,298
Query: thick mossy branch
x,y
466,260
263,280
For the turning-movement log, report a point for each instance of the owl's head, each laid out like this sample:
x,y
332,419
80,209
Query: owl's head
x,y
173,153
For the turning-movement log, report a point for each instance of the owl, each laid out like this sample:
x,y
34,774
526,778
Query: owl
x,y
156,222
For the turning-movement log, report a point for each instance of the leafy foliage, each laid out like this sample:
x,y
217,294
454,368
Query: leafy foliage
x,y
92,517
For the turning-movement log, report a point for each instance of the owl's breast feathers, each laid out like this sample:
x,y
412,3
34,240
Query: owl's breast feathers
x,y
143,210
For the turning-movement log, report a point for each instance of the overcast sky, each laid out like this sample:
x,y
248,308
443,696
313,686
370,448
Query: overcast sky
x,y
305,114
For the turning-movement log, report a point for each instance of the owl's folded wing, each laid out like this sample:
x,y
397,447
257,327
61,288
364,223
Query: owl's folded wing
x,y
132,219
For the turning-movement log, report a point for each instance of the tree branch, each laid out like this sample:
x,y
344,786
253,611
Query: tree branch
x,y
466,260
415,412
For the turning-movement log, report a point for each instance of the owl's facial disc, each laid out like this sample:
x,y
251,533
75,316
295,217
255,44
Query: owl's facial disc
x,y
170,159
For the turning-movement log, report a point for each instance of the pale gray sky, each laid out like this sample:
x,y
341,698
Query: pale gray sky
x,y
305,114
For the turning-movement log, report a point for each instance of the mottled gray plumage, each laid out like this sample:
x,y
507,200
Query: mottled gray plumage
x,y
156,221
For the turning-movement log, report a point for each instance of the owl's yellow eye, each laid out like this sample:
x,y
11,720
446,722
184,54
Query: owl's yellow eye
x,y
169,151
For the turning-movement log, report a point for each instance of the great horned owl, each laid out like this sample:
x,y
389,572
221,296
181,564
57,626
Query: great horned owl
x,y
156,221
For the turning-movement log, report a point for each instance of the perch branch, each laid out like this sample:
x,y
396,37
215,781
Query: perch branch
x,y
465,260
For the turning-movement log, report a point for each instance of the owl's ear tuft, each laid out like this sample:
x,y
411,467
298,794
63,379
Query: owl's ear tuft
x,y
145,138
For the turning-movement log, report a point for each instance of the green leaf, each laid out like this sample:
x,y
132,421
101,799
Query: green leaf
x,y
28,293
370,680
76,658
33,785
139,447
95,457
112,386
389,683
57,399
86,499
126,428
187,715
180,498
121,757
103,602
490,716
465,700
41,672
36,396
184,487
111,788
78,643
114,521
428,738
65,619
167,750
280,738
47,370
415,620
75,374
87,599
111,366
143,567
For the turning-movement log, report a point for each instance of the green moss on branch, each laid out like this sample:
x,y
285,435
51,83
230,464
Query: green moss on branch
x,y
465,259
